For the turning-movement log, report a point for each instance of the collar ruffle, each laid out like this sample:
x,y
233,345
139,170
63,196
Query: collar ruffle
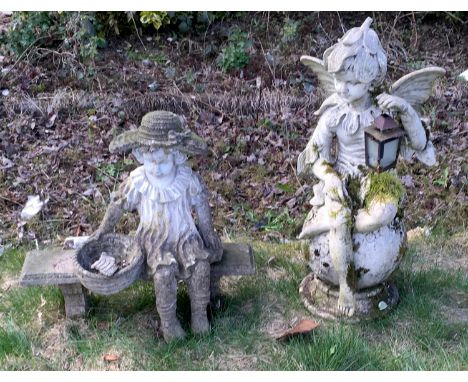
x,y
182,181
337,112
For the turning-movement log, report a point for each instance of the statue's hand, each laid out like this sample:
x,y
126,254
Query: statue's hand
x,y
333,188
213,243
105,265
393,103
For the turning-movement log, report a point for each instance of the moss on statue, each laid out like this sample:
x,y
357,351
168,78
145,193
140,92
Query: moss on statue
x,y
384,186
352,276
329,169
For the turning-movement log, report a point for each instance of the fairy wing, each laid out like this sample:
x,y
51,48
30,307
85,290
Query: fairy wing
x,y
326,80
416,87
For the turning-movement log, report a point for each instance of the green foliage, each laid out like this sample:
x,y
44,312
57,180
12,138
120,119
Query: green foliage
x,y
184,21
156,18
286,187
278,222
112,170
289,31
13,342
444,179
235,55
29,28
82,33
423,333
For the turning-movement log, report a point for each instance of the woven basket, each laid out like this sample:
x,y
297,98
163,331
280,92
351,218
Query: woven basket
x,y
117,246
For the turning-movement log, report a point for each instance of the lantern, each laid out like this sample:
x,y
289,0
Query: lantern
x,y
383,140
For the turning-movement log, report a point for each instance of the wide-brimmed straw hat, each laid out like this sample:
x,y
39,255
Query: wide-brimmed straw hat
x,y
160,129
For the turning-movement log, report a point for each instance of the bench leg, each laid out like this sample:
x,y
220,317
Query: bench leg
x,y
215,300
75,300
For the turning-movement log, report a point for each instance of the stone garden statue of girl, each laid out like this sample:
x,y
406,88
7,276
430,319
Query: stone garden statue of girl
x,y
164,190
345,203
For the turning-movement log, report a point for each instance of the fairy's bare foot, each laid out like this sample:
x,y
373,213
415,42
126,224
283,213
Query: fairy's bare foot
x,y
346,302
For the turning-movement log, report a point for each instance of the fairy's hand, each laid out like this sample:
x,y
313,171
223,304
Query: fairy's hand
x,y
393,103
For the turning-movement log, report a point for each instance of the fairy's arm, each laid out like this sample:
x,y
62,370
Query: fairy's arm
x,y
318,147
317,158
409,118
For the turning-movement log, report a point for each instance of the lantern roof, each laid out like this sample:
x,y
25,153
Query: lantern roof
x,y
385,122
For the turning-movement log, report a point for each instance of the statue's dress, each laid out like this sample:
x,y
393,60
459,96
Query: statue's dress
x,y
167,233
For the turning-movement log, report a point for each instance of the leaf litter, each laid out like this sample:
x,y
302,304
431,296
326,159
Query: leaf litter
x,y
255,130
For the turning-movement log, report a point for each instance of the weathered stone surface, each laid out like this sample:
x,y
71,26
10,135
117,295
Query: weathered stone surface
x,y
376,255
354,227
176,233
76,301
321,300
52,266
237,260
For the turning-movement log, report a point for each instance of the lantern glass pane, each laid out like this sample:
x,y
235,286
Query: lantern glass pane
x,y
372,153
389,152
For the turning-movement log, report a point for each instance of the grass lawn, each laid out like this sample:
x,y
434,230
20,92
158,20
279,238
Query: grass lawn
x,y
427,331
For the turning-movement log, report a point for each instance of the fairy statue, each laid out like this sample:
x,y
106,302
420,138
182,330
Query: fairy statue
x,y
355,225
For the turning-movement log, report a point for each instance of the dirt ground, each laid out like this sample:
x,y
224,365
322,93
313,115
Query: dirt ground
x,y
60,115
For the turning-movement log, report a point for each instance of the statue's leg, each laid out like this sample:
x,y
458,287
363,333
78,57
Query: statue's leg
x,y
165,285
199,291
378,214
315,224
341,252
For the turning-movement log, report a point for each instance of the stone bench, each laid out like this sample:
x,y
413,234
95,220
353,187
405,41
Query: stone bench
x,y
54,266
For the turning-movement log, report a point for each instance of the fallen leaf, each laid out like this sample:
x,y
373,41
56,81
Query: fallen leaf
x,y
303,327
51,120
271,261
103,325
111,357
5,163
